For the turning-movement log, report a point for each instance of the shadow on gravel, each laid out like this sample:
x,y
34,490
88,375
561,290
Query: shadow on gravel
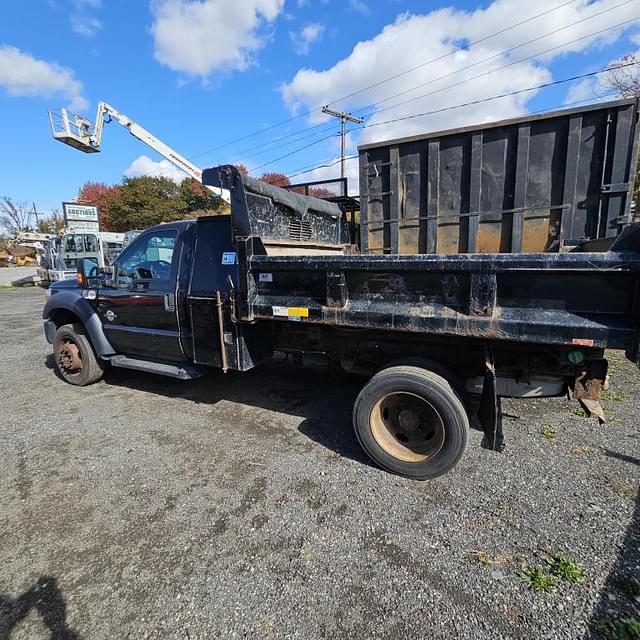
x,y
619,599
323,400
45,598
622,456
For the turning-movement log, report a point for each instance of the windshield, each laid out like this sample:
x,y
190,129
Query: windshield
x,y
78,245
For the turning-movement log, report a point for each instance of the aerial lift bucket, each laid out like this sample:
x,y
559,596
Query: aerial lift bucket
x,y
72,129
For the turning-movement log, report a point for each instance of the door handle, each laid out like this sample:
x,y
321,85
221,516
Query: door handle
x,y
169,301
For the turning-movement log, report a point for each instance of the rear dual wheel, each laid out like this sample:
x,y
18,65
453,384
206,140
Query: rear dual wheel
x,y
411,421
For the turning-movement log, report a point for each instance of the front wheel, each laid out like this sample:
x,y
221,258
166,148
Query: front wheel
x,y
411,421
75,360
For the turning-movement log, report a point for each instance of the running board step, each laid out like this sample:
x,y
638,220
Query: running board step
x,y
171,370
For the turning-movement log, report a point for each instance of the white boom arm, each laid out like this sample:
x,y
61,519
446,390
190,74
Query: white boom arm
x,y
76,131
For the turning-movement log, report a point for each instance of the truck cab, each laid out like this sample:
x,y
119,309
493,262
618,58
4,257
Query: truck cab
x,y
61,255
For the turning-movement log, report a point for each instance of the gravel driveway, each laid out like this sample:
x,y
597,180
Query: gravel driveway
x,y
240,506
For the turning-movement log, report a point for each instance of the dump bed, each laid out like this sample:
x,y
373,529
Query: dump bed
x,y
588,299
539,183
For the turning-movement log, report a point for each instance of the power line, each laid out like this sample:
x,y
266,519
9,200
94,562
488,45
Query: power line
x,y
496,97
497,55
452,51
490,71
326,164
286,155
468,80
286,144
388,79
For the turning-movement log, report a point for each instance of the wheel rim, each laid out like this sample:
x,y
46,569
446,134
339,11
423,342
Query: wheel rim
x,y
69,358
407,427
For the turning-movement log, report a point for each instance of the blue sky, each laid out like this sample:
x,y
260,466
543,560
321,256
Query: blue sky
x,y
201,74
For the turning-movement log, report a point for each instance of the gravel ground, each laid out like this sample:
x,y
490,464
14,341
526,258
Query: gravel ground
x,y
16,275
240,506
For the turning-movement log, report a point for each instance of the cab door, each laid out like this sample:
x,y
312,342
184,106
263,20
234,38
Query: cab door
x,y
138,310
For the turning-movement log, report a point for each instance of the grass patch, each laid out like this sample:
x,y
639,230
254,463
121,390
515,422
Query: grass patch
x,y
581,451
579,411
481,557
538,579
623,489
548,432
567,569
613,396
619,629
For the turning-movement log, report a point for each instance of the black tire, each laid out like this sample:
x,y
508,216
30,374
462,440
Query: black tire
x,y
75,359
411,421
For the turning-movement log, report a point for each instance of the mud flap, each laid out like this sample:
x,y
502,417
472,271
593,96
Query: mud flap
x,y
587,388
490,410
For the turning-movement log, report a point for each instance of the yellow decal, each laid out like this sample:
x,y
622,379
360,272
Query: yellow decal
x,y
301,312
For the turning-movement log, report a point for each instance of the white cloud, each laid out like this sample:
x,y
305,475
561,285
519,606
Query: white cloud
x,y
600,86
303,39
82,20
360,7
144,166
23,75
415,39
199,37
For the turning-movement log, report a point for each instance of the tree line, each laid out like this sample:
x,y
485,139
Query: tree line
x,y
135,203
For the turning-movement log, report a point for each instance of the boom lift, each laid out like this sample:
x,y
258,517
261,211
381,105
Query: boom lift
x,y
80,133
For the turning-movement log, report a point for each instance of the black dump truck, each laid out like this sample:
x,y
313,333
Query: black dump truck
x,y
435,333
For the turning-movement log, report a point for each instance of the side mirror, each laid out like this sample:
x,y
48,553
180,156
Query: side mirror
x,y
88,275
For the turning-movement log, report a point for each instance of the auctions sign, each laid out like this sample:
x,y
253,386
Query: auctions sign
x,y
81,217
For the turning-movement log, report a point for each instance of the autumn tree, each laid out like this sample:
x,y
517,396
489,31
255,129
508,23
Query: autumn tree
x,y
242,169
44,226
277,179
145,201
15,216
54,223
197,197
102,195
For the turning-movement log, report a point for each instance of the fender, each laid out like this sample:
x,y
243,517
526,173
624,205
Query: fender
x,y
73,301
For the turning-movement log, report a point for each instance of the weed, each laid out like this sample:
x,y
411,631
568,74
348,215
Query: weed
x,y
613,396
566,569
619,629
580,451
548,432
538,579
482,557
579,411
623,489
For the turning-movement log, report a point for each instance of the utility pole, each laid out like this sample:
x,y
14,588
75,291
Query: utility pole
x,y
344,117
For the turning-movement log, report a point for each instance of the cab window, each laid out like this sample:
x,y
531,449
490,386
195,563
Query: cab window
x,y
147,262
